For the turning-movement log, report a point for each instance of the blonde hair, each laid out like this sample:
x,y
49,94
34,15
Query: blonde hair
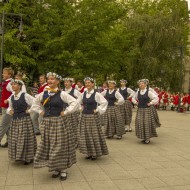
x,y
9,70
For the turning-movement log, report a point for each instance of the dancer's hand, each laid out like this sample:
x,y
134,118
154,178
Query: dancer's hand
x,y
6,101
11,112
62,113
95,111
42,113
149,104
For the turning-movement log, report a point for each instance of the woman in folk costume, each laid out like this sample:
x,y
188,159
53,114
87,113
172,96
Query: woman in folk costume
x,y
145,122
57,147
22,140
75,115
113,120
90,136
126,108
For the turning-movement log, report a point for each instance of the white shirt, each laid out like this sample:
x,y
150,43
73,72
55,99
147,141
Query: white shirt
x,y
101,101
73,104
153,97
129,91
76,92
118,96
28,98
9,87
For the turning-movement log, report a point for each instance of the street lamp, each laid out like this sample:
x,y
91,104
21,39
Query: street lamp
x,y
2,27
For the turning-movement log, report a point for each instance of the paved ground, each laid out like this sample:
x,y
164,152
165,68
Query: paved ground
x,y
162,165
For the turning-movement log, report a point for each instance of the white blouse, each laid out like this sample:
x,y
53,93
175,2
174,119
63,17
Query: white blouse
x,y
76,92
119,97
101,101
28,98
73,104
153,97
129,90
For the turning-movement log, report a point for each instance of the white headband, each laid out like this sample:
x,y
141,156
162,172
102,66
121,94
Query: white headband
x,y
112,81
123,80
70,79
54,75
88,78
17,81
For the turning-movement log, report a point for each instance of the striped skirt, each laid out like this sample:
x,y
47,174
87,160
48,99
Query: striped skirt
x,y
146,123
113,122
126,111
22,140
74,119
90,135
57,147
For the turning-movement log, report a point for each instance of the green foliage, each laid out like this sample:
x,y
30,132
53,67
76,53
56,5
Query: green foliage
x,y
100,38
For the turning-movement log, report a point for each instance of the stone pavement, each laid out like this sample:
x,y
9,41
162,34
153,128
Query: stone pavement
x,y
162,165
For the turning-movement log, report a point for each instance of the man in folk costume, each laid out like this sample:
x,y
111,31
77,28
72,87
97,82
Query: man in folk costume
x,y
176,100
113,120
126,108
57,147
145,122
165,100
36,118
5,94
73,116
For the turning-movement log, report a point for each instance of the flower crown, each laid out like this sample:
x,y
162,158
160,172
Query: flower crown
x,y
123,80
90,79
146,81
70,79
112,81
54,75
17,81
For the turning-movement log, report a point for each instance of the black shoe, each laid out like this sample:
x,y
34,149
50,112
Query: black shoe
x,y
93,158
29,162
4,145
37,133
119,137
55,174
146,142
130,130
88,157
143,141
63,176
126,130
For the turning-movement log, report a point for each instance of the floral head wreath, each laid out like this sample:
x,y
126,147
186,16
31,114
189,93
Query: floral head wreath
x,y
142,80
68,79
112,81
123,80
88,78
17,81
54,75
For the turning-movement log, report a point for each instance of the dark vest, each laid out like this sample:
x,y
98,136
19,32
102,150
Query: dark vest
x,y
111,98
65,105
143,100
89,103
54,106
19,106
124,93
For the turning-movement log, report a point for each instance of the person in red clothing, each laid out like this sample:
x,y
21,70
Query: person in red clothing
x,y
36,118
43,83
80,86
6,91
188,101
176,100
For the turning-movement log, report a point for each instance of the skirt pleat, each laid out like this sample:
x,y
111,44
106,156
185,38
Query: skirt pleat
x,y
57,147
22,140
145,123
126,112
90,136
113,122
